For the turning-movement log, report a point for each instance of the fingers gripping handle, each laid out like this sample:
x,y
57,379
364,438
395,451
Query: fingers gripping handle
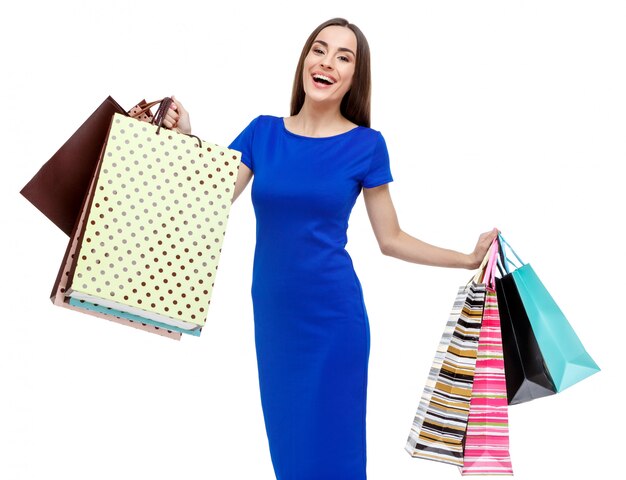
x,y
159,116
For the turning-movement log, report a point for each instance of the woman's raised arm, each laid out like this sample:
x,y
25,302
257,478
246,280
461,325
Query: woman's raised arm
x,y
394,242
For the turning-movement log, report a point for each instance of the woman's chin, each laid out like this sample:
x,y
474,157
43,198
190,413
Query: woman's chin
x,y
321,97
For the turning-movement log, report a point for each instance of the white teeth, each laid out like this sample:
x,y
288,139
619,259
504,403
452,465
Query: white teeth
x,y
323,77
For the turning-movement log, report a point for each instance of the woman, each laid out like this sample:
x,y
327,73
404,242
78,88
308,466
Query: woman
x,y
311,325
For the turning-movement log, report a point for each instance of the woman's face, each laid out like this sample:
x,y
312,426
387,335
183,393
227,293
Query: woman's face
x,y
329,65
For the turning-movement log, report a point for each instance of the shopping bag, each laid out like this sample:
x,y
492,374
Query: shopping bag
x,y
435,369
155,225
440,423
58,298
527,376
565,356
486,444
59,187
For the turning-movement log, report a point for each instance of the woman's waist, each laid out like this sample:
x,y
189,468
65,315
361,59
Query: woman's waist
x,y
302,258
302,286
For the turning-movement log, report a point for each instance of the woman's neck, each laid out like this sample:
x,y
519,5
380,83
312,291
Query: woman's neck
x,y
318,121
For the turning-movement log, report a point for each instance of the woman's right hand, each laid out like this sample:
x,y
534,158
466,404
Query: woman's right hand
x,y
177,118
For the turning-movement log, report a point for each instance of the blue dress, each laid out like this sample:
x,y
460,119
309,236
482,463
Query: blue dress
x,y
311,325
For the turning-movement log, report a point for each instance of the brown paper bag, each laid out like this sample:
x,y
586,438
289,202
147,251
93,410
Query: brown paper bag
x,y
59,187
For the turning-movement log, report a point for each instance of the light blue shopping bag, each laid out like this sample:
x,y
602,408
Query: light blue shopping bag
x,y
564,354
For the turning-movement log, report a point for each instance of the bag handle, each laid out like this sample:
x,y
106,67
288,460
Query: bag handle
x,y
487,270
144,108
490,271
137,113
499,265
159,116
505,259
477,276
501,258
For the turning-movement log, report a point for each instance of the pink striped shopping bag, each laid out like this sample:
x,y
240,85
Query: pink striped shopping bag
x,y
486,449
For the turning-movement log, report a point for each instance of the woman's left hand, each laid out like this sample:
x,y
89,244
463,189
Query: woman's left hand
x,y
482,246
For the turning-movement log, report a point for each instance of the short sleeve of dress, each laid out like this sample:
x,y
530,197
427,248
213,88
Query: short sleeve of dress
x,y
243,143
379,171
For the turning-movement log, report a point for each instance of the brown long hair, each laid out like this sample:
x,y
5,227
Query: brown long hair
x,y
355,105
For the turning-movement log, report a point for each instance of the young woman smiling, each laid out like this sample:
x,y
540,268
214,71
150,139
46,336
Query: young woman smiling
x,y
311,325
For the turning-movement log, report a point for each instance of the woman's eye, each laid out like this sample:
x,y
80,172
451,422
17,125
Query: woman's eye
x,y
344,59
318,50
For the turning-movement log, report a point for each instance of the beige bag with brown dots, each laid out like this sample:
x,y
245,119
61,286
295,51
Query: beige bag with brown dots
x,y
149,247
60,286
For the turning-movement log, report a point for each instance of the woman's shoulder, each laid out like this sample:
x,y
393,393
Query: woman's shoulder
x,y
266,119
260,122
369,133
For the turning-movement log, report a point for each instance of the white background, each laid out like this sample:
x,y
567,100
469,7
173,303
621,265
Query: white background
x,y
496,113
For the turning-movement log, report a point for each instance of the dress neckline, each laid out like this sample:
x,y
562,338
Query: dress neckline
x,y
289,132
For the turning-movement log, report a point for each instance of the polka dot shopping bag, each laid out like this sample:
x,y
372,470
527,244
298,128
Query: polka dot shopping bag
x,y
146,249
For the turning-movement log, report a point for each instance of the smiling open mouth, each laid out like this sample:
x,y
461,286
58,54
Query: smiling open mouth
x,y
323,79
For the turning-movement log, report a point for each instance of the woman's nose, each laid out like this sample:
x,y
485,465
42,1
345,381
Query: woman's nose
x,y
326,63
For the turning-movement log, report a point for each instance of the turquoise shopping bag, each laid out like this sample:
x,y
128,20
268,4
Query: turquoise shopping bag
x,y
564,354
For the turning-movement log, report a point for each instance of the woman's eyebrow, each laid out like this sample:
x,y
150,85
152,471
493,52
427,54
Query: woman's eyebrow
x,y
341,49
